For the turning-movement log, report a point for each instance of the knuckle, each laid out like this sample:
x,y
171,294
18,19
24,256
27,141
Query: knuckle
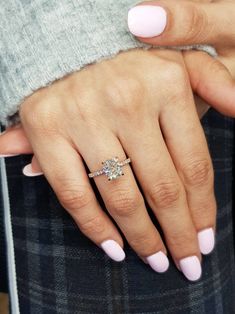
x,y
124,203
123,93
93,225
75,197
195,23
177,71
176,78
28,115
212,66
204,218
174,72
144,243
182,241
165,194
215,67
39,115
198,172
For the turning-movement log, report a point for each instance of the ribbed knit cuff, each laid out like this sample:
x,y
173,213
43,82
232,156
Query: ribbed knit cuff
x,y
44,40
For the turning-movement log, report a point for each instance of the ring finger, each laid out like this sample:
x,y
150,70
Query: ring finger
x,y
123,199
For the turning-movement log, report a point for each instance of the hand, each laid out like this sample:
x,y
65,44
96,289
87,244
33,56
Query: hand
x,y
14,142
174,23
114,108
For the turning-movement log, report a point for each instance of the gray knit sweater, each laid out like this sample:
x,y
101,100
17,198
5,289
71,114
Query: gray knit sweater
x,y
43,40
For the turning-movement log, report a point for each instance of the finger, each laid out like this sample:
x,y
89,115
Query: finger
x,y
201,106
11,128
173,23
33,169
35,165
65,172
200,1
187,145
124,200
229,62
165,194
14,142
211,80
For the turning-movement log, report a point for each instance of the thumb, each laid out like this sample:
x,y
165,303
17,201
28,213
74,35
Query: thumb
x,y
211,80
174,23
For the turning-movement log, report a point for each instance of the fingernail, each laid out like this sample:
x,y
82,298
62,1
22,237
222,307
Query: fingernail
x,y
191,267
158,261
113,250
8,155
147,20
28,171
206,239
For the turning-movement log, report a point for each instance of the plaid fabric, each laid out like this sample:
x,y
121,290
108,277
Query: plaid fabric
x,y
60,271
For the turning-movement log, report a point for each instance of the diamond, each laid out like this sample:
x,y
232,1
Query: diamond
x,y
112,169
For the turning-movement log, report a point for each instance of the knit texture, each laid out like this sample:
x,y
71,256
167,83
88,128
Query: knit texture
x,y
44,40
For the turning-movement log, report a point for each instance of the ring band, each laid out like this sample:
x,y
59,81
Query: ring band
x,y
112,168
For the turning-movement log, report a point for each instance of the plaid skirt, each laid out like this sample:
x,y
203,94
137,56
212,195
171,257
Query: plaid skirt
x,y
58,270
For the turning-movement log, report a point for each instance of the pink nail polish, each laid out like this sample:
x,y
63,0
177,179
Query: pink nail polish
x,y
158,261
28,172
206,239
191,267
147,20
113,250
8,155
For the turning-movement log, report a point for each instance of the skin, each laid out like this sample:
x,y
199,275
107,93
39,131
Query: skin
x,y
125,113
203,22
177,182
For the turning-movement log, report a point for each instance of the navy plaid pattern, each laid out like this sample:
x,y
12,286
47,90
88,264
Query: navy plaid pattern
x,y
60,271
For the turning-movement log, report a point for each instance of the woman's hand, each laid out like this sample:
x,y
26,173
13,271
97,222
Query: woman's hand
x,y
140,105
179,23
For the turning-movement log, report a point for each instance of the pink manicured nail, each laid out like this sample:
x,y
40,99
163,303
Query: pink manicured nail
x,y
158,261
28,171
113,250
191,268
206,239
147,20
8,155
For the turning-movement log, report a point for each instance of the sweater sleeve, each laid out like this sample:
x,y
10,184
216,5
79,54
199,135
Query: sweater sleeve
x,y
44,40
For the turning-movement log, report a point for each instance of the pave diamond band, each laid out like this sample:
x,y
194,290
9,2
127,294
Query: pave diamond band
x,y
112,168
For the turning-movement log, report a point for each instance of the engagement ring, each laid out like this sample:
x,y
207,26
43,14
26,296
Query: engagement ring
x,y
112,168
